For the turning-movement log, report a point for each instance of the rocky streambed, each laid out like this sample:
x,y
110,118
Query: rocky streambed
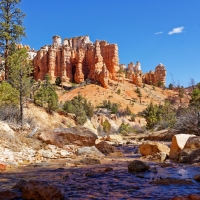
x,y
87,178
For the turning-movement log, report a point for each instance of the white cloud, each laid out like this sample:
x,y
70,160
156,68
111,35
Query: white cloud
x,y
176,30
160,32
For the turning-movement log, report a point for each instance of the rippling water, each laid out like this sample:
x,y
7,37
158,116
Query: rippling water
x,y
99,182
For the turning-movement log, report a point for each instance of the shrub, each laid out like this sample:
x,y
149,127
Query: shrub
x,y
162,114
106,126
46,96
125,128
80,107
113,107
81,117
58,80
188,121
133,117
119,91
10,114
128,111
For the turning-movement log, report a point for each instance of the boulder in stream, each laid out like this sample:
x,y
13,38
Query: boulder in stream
x,y
178,143
191,151
138,166
152,148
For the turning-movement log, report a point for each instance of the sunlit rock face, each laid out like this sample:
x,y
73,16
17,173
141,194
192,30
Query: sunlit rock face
x,y
77,59
156,77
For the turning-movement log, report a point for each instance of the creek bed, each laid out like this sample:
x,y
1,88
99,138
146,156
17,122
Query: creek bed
x,y
111,179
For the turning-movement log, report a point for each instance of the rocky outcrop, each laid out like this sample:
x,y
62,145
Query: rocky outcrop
x,y
178,143
77,59
78,135
152,148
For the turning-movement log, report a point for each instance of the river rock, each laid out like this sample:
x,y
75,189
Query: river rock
x,y
40,190
10,195
197,177
152,148
89,151
90,161
138,166
105,148
78,135
178,143
189,197
191,151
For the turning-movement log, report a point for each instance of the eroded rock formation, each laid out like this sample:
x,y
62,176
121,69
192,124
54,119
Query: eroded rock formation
x,y
157,77
77,59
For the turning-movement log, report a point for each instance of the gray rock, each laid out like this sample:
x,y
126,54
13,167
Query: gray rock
x,y
138,166
90,161
89,151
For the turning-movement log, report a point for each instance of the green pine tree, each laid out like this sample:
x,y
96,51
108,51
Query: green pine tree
x,y
195,100
11,28
46,96
9,96
19,76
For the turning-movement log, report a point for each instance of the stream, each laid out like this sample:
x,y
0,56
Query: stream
x,y
110,179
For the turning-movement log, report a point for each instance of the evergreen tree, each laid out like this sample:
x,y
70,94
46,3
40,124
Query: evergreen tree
x,y
195,100
181,92
11,28
128,111
171,87
9,96
46,96
19,76
139,94
151,115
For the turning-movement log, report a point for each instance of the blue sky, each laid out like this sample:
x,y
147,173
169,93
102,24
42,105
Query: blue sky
x,y
148,31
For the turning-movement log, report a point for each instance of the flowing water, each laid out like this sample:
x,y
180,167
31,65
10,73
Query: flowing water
x,y
111,179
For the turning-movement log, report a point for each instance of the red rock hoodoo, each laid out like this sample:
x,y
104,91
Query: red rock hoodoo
x,y
77,59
